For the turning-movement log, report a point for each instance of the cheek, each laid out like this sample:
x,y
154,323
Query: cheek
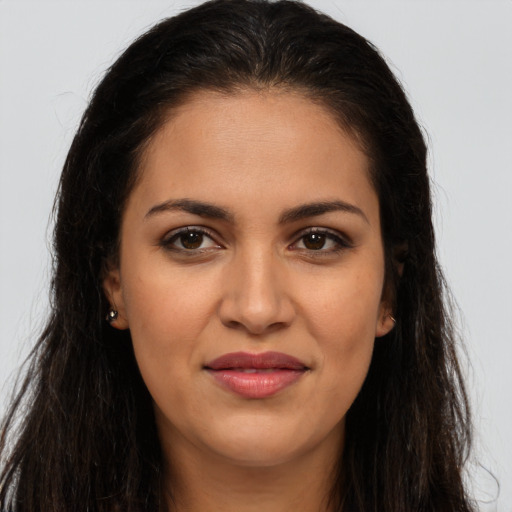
x,y
166,313
343,315
345,307
164,304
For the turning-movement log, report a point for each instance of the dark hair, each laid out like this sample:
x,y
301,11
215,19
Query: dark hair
x,y
86,438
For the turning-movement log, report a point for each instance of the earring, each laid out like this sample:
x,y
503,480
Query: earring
x,y
111,315
393,319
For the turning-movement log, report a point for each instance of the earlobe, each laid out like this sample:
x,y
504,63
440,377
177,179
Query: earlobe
x,y
385,324
116,315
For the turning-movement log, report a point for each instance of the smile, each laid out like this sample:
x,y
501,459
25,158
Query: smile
x,y
256,375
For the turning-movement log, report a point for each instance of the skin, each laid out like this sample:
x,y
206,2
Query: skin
x,y
254,284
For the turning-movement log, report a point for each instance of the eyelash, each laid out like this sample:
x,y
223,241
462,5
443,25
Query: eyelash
x,y
168,241
341,242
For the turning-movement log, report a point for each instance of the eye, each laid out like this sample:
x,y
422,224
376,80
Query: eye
x,y
189,239
321,240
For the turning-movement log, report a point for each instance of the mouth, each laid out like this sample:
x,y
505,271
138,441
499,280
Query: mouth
x,y
256,375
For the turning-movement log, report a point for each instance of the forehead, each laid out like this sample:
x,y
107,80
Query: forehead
x,y
253,144
273,113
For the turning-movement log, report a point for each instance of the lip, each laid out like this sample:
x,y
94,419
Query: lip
x,y
256,375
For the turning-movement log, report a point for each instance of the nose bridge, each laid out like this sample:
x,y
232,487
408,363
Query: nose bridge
x,y
255,298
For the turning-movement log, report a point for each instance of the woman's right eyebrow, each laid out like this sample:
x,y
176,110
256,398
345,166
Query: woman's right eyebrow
x,y
200,208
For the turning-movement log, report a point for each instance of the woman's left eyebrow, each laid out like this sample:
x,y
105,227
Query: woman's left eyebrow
x,y
304,211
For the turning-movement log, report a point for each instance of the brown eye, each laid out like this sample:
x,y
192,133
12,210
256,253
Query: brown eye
x,y
319,241
314,241
191,239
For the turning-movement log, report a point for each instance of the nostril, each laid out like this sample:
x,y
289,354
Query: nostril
x,y
254,328
233,324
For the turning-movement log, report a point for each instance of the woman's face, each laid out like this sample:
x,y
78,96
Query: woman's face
x,y
251,276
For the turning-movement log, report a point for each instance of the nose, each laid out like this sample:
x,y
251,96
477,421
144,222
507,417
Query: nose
x,y
256,296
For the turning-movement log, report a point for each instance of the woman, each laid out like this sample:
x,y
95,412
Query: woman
x,y
247,308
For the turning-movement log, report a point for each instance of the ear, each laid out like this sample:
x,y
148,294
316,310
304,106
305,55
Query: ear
x,y
385,322
400,254
114,292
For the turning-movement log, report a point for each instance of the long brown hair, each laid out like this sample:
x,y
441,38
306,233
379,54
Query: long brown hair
x,y
82,423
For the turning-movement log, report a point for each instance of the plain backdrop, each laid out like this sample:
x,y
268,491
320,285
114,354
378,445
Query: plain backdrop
x,y
454,58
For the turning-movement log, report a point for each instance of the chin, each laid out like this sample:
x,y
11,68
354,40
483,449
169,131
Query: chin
x,y
261,444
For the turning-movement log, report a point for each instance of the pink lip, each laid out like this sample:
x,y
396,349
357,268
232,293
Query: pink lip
x,y
268,372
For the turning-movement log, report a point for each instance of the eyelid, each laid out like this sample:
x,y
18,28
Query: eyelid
x,y
172,235
342,240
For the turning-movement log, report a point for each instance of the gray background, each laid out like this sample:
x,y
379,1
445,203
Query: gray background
x,y
454,59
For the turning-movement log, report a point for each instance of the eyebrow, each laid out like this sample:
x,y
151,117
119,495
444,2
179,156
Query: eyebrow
x,y
314,209
199,208
208,210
